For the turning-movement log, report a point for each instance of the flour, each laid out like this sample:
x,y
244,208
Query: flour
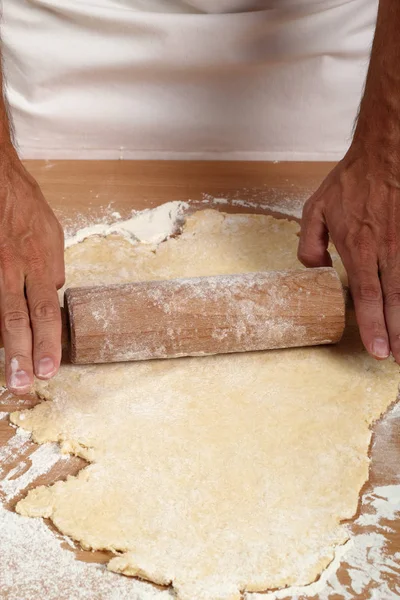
x,y
22,537
242,312
42,459
31,545
8,451
150,226
274,200
275,207
313,588
15,372
370,567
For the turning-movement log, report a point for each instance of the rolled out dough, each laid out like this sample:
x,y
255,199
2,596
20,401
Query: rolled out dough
x,y
217,474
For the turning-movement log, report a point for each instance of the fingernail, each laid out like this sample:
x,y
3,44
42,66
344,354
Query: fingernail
x,y
380,348
19,380
46,367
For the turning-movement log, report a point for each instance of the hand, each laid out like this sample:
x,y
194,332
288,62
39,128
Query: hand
x,y
31,271
360,208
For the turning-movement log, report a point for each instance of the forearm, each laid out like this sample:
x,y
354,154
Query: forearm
x,y
11,167
378,124
5,126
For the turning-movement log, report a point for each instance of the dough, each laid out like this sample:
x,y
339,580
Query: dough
x,y
218,474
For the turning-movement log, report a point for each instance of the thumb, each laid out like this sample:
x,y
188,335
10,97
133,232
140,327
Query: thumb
x,y
314,237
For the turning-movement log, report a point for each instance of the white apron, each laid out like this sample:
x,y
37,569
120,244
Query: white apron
x,y
212,79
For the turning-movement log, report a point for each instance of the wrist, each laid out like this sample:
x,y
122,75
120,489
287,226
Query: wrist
x,y
15,177
377,141
10,163
8,156
378,122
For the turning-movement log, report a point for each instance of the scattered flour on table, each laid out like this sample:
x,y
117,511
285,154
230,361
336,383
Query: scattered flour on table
x,y
371,571
28,546
273,199
42,459
31,546
8,451
150,226
290,207
372,567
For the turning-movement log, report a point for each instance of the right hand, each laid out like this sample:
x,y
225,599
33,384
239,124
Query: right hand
x,y
357,206
31,271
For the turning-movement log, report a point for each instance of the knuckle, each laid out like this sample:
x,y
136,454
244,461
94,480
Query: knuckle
x,y
392,298
369,293
19,360
390,252
307,259
375,327
306,251
35,255
308,209
43,346
45,310
311,213
60,280
15,320
36,262
301,252
362,242
7,257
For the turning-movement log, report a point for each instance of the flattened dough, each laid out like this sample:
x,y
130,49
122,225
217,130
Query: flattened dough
x,y
217,474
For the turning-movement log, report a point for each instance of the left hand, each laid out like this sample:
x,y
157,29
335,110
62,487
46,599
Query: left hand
x,y
358,207
31,271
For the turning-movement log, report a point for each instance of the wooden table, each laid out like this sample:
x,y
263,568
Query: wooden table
x,y
83,192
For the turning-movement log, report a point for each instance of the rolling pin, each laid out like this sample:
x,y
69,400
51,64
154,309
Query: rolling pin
x,y
204,315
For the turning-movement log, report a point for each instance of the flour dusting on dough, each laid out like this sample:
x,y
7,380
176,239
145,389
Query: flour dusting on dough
x,y
69,575
218,450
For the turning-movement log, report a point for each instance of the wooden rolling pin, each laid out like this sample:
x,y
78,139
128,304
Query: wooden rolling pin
x,y
204,315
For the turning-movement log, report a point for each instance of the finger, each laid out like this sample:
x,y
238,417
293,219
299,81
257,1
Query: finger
x,y
45,317
59,271
314,238
59,278
17,336
59,263
390,280
368,302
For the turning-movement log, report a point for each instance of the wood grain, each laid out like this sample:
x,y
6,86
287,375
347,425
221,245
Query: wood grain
x,y
205,315
86,191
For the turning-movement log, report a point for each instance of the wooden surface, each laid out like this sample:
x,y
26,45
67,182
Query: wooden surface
x,y
92,188
83,192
